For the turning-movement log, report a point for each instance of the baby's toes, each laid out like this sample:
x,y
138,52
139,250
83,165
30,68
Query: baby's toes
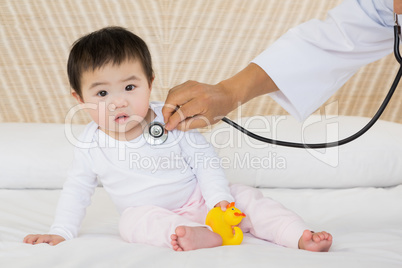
x,y
326,235
322,236
329,237
316,237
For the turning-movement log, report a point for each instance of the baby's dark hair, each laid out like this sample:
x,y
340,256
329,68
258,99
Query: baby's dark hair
x,y
107,45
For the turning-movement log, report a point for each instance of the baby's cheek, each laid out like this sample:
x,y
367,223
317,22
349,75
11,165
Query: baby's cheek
x,y
99,115
141,107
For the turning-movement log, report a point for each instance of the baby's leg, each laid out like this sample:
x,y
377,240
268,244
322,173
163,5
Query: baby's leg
x,y
268,219
152,225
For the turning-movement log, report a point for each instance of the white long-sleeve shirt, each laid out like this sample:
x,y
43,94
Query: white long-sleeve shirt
x,y
313,60
135,174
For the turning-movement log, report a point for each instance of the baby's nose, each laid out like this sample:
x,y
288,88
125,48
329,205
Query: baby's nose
x,y
117,103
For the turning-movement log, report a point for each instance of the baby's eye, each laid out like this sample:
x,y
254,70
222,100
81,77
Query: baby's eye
x,y
102,93
130,87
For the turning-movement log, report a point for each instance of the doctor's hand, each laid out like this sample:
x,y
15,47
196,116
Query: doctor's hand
x,y
194,105
34,239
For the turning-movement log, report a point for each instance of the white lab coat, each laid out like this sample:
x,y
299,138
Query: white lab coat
x,y
313,60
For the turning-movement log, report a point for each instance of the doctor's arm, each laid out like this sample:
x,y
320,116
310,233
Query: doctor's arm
x,y
193,104
307,64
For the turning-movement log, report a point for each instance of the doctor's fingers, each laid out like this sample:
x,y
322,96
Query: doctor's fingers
x,y
178,96
208,103
203,97
188,116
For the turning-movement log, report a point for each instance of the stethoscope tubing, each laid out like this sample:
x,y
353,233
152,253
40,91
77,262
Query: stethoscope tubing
x,y
329,144
350,138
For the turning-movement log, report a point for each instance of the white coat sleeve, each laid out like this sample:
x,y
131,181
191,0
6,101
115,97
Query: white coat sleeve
x,y
313,60
75,196
206,166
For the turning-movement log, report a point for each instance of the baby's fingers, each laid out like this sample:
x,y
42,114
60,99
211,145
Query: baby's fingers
x,y
43,239
31,239
55,239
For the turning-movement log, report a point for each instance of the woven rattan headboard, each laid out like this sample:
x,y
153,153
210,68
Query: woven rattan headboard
x,y
204,40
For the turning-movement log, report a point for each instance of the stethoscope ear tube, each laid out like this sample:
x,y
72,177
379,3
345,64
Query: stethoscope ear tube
x,y
397,33
396,44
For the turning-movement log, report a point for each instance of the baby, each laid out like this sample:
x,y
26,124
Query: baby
x,y
162,192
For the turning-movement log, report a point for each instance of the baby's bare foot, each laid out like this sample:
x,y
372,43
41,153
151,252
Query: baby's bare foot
x,y
319,242
190,238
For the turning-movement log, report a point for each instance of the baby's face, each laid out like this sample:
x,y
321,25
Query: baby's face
x,y
116,97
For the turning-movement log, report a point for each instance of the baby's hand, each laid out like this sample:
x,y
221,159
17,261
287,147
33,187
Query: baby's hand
x,y
38,239
223,204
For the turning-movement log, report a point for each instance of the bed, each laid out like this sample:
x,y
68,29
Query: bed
x,y
357,197
354,192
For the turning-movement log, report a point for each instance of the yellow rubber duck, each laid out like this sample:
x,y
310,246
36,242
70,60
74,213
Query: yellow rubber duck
x,y
222,223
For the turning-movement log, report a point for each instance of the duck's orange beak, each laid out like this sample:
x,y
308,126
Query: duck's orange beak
x,y
237,214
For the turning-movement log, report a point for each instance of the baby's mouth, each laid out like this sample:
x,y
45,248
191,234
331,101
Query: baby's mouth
x,y
121,118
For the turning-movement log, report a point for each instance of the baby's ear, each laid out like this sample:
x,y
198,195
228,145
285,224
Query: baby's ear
x,y
151,82
77,97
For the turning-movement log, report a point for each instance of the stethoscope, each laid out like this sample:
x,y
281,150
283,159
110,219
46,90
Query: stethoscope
x,y
156,134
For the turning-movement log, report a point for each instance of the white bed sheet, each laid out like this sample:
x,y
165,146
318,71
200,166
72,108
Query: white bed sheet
x,y
366,224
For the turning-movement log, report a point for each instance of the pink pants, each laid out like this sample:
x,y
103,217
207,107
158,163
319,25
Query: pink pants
x,y
265,219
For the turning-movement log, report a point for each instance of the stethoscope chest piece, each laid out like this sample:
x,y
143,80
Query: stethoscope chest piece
x,y
155,133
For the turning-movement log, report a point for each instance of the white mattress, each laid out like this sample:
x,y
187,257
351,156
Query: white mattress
x,y
357,198
366,224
